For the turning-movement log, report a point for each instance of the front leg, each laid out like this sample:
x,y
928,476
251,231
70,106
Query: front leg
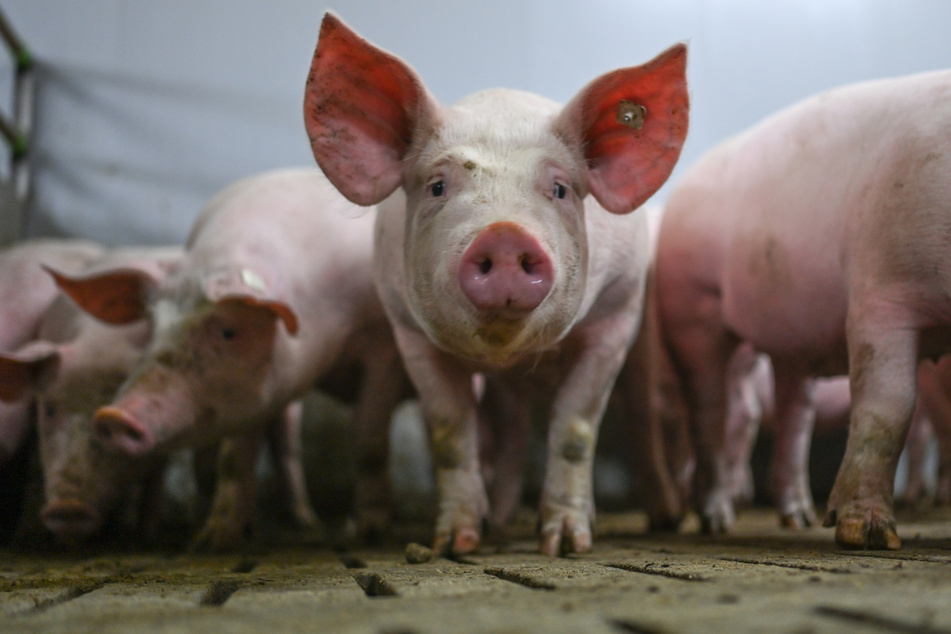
x,y
566,512
233,503
449,408
792,433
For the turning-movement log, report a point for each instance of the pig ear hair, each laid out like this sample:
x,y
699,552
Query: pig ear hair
x,y
362,106
249,289
632,123
119,296
24,373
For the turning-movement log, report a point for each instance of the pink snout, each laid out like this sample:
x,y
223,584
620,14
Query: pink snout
x,y
505,271
70,518
117,430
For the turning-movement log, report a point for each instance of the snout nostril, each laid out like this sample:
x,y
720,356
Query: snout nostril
x,y
526,264
485,266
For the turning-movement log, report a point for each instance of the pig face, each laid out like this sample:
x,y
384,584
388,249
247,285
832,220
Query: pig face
x,y
208,362
83,483
495,230
494,252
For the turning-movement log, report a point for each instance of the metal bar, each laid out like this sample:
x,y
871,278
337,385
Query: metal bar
x,y
19,50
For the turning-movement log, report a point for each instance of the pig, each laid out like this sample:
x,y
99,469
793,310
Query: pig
x,y
73,365
817,236
490,257
26,292
270,300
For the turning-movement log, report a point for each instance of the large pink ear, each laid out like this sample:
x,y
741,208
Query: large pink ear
x,y
361,109
119,296
248,288
631,123
24,373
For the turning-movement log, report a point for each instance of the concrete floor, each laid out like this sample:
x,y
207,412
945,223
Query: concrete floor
x,y
759,579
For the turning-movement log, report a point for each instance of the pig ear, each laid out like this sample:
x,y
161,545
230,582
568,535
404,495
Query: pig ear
x,y
116,297
248,288
361,109
632,123
24,373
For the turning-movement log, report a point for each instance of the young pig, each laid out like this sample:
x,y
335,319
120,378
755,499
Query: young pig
x,y
819,237
26,292
490,255
73,365
270,299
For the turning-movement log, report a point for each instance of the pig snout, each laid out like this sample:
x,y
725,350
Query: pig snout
x,y
117,430
70,518
505,271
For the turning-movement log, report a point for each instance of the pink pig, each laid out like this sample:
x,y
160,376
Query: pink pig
x,y
73,365
819,237
490,255
26,292
271,299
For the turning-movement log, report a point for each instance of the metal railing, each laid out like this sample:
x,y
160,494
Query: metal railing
x,y
15,126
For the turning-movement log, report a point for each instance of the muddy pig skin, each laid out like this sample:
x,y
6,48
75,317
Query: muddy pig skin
x,y
73,365
272,297
492,257
26,292
819,237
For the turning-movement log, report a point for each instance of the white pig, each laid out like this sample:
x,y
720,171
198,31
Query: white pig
x,y
73,365
273,296
819,236
490,255
26,292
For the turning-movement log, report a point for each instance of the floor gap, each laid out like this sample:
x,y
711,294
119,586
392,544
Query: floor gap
x,y
635,628
71,593
374,585
218,593
522,579
882,622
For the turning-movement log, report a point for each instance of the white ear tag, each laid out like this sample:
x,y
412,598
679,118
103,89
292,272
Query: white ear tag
x,y
252,279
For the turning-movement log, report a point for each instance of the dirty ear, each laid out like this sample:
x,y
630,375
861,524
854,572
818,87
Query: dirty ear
x,y
631,124
26,372
362,107
248,288
119,296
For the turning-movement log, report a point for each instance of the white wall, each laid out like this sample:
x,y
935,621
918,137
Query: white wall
x,y
145,108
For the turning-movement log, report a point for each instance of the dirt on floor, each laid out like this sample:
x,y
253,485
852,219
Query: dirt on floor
x,y
760,578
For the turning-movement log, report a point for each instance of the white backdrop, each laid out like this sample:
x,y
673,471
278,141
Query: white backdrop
x,y
145,108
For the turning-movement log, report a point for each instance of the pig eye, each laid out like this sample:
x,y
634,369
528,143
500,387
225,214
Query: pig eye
x,y
559,191
228,333
437,189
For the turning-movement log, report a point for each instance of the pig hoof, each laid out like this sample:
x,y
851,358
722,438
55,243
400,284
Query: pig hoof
x,y
565,534
216,539
798,519
857,533
462,541
718,516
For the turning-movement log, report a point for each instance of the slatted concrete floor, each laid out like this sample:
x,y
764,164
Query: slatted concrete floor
x,y
759,579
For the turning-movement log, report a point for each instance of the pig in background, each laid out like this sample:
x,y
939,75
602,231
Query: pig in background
x,y
818,237
72,365
26,292
272,298
491,257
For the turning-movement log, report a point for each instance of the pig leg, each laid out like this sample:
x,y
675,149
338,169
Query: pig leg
x,y
449,407
233,503
566,511
792,434
284,441
744,415
916,449
882,368
648,409
701,348
382,390
507,419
